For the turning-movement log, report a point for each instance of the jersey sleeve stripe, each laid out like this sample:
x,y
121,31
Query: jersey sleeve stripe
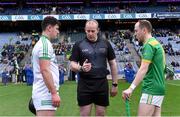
x,y
45,58
147,61
45,47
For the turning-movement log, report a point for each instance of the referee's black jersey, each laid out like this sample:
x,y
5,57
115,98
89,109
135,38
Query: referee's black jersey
x,y
97,54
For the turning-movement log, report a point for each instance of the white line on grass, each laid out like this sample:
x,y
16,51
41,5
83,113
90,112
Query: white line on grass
x,y
174,84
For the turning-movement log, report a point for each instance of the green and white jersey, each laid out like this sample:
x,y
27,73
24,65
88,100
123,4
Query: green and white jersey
x,y
43,50
153,82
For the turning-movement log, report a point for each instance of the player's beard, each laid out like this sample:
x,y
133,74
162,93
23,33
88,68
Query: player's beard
x,y
140,40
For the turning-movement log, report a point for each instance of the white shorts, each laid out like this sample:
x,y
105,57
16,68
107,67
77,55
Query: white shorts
x,y
44,103
152,99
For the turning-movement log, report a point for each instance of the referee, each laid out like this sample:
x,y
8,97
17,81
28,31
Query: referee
x,y
89,58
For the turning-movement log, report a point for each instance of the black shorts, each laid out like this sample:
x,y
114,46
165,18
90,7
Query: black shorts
x,y
93,91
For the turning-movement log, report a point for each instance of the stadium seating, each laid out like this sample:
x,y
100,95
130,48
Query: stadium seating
x,y
90,10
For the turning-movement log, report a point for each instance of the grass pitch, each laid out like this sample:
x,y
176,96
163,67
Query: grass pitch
x,y
14,100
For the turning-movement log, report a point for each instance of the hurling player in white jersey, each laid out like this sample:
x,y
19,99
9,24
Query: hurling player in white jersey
x,y
46,74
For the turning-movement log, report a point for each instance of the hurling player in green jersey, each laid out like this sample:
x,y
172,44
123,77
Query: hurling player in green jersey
x,y
151,72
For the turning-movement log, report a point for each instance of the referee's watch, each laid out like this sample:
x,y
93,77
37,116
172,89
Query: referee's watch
x,y
114,84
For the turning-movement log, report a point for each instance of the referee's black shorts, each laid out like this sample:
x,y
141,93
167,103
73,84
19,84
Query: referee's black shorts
x,y
93,91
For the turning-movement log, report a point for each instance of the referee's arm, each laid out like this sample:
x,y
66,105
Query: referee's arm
x,y
113,67
74,66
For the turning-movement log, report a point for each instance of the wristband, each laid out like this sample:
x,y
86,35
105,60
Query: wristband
x,y
133,86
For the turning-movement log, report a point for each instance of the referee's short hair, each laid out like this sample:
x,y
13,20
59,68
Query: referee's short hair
x,y
92,20
145,24
49,20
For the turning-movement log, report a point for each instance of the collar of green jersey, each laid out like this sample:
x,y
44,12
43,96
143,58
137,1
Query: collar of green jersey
x,y
148,40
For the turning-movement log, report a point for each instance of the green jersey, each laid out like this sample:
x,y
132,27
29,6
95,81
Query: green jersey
x,y
153,82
